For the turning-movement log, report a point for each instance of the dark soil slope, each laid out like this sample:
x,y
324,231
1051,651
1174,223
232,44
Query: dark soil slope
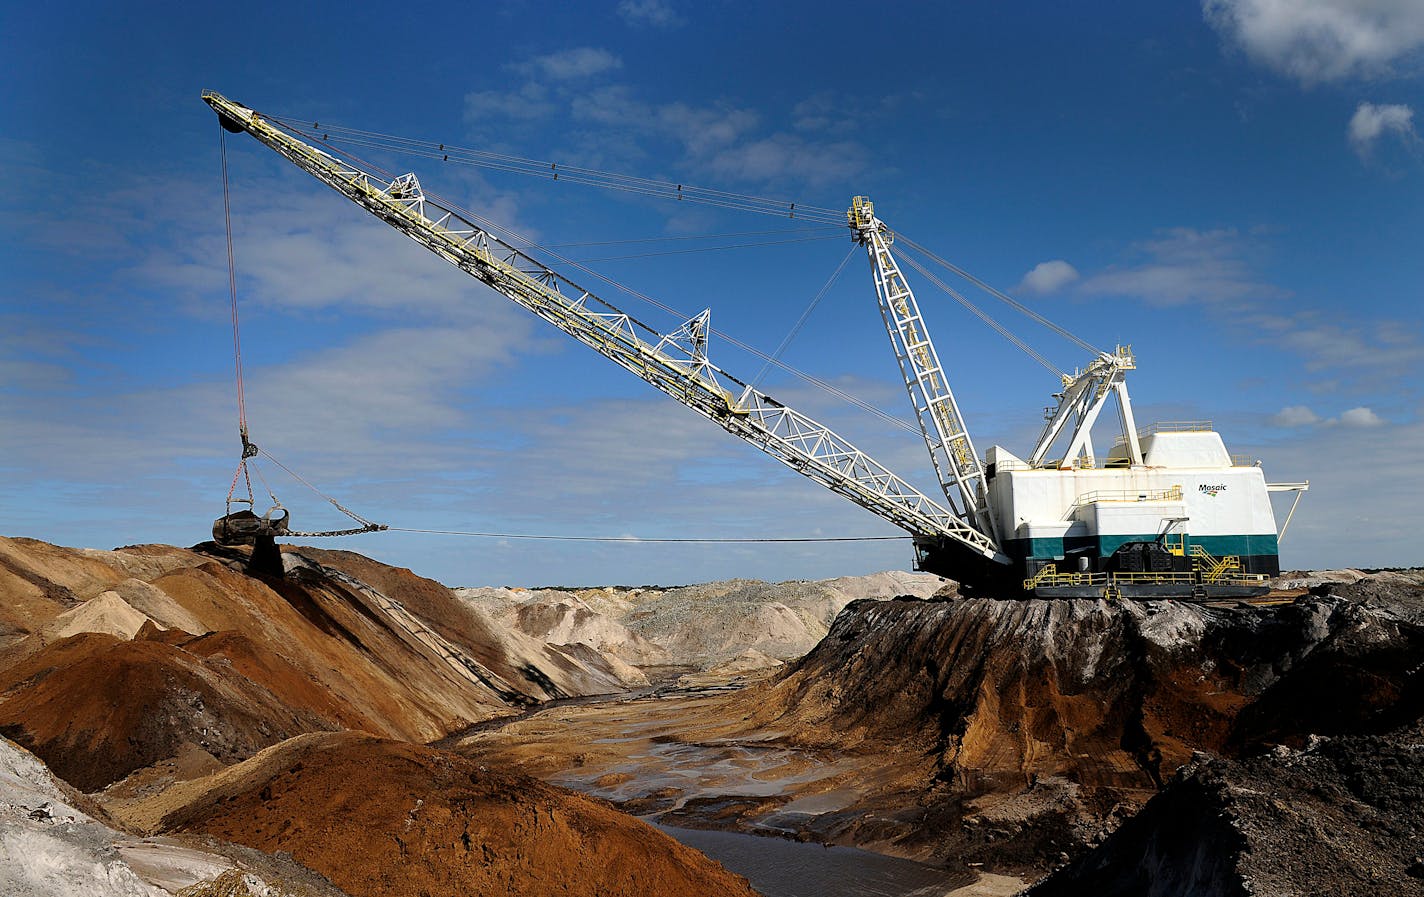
x,y
1339,819
1037,725
386,819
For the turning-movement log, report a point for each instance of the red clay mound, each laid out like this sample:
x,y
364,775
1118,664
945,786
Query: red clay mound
x,y
95,708
389,819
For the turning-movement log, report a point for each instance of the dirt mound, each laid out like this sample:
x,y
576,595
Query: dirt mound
x,y
245,661
386,818
1032,727
41,581
97,707
1339,818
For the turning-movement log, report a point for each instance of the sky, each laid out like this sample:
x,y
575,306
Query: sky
x,y
1235,188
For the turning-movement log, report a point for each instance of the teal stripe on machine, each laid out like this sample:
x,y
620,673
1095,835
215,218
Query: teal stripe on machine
x,y
1219,546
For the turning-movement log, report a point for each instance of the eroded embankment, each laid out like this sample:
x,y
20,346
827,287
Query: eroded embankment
x,y
1012,734
1034,726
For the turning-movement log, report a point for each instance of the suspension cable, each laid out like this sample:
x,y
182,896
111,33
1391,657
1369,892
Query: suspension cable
x,y
550,170
981,314
758,243
232,293
511,234
667,189
1003,297
669,239
801,321
635,540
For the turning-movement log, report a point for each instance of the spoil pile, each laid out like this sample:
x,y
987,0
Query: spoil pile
x,y
114,661
1341,817
1028,729
383,818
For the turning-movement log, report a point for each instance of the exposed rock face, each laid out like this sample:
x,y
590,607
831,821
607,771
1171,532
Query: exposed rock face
x,y
387,819
1034,725
700,626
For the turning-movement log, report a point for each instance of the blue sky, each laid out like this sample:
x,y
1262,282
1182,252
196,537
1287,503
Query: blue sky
x,y
1234,188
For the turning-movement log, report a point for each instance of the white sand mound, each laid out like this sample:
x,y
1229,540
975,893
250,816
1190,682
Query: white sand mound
x,y
159,606
106,612
49,847
701,625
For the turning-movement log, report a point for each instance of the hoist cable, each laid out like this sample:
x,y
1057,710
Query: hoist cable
x,y
981,314
801,321
232,293
246,465
633,540
1003,297
553,171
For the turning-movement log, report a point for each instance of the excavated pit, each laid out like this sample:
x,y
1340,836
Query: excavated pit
x,y
1012,737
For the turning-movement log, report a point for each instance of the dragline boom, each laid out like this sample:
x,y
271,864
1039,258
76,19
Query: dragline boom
x,y
675,363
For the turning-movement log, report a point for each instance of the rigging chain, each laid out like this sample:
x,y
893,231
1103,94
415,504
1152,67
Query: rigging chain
x,y
246,465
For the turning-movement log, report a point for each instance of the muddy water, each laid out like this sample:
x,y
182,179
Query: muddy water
x,y
780,868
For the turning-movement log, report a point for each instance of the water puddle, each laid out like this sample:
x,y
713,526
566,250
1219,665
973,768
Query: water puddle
x,y
703,771
780,868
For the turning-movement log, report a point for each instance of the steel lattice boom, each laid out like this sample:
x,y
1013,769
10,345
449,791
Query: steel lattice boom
x,y
961,476
675,363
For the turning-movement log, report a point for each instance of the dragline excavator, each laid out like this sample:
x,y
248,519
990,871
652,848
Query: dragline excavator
x,y
1167,512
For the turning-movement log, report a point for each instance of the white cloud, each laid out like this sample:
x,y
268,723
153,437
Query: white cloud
x,y
1370,122
1046,277
1352,514
567,65
1186,265
1220,269
1302,416
1382,348
529,102
1295,416
1360,417
1321,40
655,13
620,130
